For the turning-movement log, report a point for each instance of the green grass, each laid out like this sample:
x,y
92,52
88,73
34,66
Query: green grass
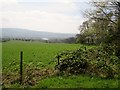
x,y
39,55
34,52
76,81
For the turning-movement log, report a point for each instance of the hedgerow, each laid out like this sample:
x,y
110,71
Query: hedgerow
x,y
101,61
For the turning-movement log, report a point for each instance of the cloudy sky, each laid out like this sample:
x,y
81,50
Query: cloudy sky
x,y
43,15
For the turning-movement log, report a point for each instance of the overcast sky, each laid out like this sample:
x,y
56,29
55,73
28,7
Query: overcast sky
x,y
43,15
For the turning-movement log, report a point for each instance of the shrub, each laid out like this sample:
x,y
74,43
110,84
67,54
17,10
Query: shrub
x,y
100,61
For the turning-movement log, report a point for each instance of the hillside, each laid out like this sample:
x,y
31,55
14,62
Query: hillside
x,y
29,34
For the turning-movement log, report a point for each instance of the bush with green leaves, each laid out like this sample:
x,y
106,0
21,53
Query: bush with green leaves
x,y
100,61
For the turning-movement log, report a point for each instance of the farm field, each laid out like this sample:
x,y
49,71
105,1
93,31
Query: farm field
x,y
38,72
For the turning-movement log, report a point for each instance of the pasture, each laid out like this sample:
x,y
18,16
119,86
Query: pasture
x,y
37,69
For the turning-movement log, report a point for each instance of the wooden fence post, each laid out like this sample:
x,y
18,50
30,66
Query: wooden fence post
x,y
21,61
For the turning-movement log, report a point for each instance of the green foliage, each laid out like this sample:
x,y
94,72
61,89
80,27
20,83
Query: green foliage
x,y
103,24
102,27
100,61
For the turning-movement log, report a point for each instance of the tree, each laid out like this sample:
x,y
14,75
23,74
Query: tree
x,y
103,21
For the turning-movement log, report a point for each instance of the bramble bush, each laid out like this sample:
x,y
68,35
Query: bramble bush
x,y
101,61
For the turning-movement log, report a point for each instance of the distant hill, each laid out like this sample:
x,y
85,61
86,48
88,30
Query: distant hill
x,y
29,34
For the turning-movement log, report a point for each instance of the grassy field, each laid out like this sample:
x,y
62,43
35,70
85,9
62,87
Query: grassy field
x,y
37,56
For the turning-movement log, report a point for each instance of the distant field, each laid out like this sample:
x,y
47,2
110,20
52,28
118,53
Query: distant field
x,y
39,55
